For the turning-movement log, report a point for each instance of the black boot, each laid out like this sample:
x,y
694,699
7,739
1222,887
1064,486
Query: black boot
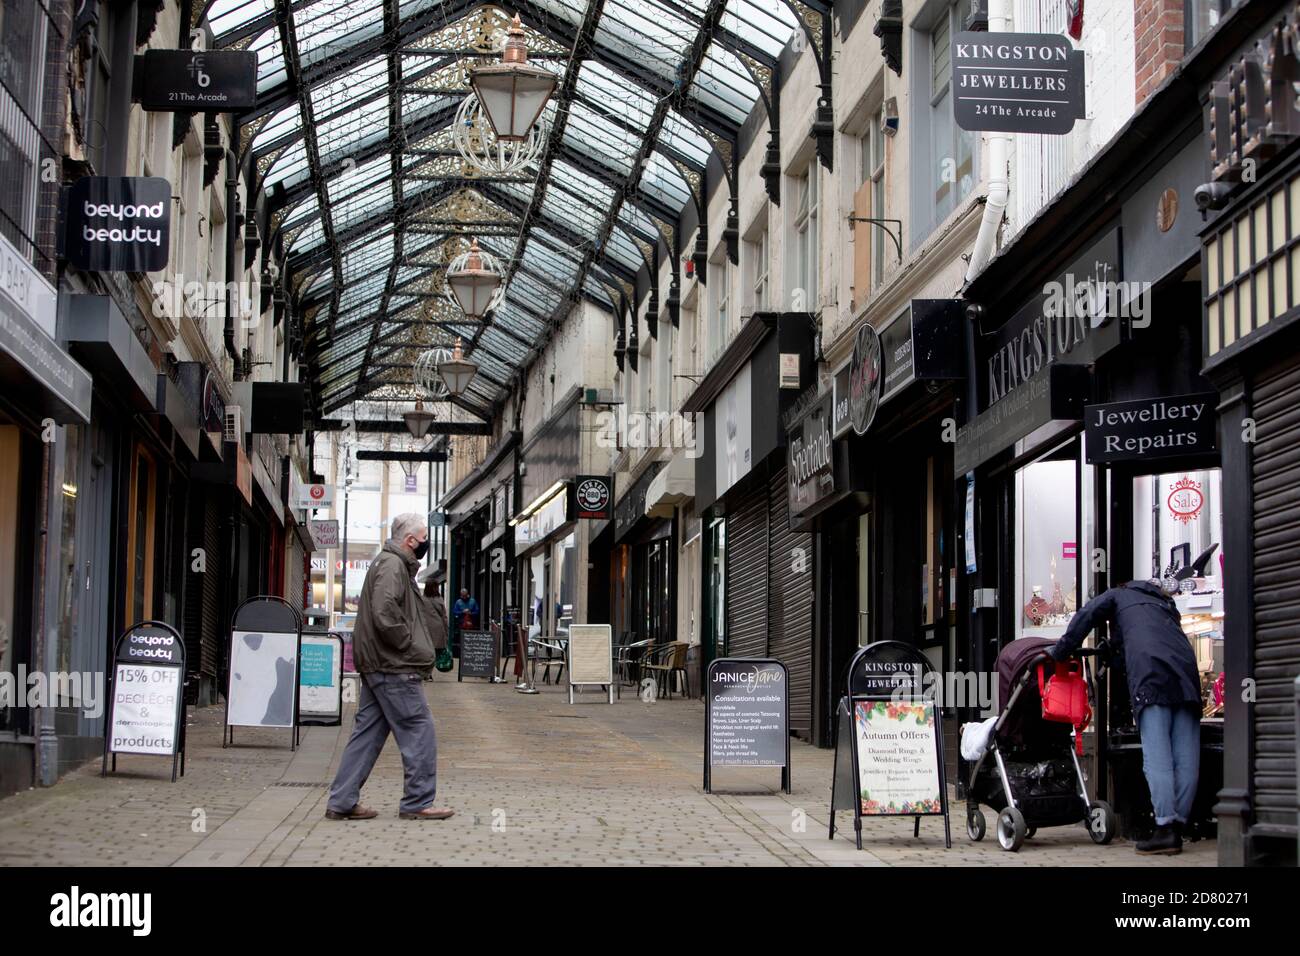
x,y
1164,841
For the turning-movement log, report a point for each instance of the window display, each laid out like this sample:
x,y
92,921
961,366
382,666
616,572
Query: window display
x,y
1047,548
1177,533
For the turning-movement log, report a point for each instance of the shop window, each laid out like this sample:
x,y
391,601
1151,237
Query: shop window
x,y
807,284
756,254
1047,512
720,314
869,239
864,579
1201,17
142,510
1178,532
717,584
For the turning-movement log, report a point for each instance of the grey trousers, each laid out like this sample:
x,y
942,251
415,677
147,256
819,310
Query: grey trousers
x,y
389,702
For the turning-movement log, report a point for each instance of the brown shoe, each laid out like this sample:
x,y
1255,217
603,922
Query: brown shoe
x,y
356,813
428,813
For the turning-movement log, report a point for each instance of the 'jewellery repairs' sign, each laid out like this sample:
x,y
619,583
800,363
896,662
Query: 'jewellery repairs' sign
x,y
1016,82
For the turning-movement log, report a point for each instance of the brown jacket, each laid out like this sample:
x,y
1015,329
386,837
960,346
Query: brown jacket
x,y
435,619
391,635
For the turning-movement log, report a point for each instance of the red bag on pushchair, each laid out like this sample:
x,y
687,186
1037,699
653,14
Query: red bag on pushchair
x,y
1065,698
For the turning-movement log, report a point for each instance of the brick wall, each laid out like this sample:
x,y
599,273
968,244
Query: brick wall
x,y
1158,29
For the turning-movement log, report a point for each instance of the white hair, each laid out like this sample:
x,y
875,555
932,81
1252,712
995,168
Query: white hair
x,y
407,523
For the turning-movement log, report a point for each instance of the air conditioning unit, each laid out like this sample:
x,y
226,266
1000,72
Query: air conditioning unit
x,y
234,430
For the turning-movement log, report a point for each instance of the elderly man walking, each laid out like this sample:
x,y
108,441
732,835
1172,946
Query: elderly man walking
x,y
393,649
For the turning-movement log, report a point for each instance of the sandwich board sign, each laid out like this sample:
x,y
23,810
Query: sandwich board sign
x,y
747,716
146,712
591,657
264,680
478,654
320,680
889,741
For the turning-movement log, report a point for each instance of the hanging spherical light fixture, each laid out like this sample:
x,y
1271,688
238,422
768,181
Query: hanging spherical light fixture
x,y
475,282
425,372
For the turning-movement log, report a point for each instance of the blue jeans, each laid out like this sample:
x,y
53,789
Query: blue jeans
x,y
1171,756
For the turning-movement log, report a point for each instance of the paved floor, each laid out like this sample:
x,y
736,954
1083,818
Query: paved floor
x,y
534,781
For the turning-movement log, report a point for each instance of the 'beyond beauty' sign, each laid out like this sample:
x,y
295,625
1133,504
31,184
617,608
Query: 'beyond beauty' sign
x,y
119,223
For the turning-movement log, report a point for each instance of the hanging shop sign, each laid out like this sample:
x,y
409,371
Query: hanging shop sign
x,y
593,497
889,741
866,374
209,81
1053,395
747,720
1250,120
316,496
811,471
146,694
591,657
1017,82
324,533
118,223
631,508
734,448
1151,428
478,654
320,680
265,647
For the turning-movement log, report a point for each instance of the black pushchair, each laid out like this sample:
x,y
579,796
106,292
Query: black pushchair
x,y
1030,774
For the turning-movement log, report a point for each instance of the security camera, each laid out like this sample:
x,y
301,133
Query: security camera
x,y
1211,196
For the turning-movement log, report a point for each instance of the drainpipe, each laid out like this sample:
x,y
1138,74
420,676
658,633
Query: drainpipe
x,y
232,297
999,177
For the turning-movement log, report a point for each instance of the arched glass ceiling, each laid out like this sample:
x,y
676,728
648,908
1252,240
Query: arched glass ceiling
x,y
351,146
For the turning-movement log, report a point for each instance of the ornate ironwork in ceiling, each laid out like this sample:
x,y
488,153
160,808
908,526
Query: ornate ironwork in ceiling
x,y
350,153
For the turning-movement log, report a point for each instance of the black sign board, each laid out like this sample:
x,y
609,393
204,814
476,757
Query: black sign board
x,y
747,719
865,377
118,223
889,741
207,81
593,497
478,654
1054,394
1151,428
146,711
811,467
1016,82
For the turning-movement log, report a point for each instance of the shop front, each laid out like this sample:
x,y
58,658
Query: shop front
x,y
1250,269
646,576
483,556
41,388
1089,454
759,572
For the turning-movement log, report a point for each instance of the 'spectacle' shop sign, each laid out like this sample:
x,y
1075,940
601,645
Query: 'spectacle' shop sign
x,y
214,81
1151,428
119,223
1016,82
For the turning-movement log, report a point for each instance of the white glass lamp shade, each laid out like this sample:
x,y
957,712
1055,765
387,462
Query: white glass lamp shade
x,y
513,97
457,373
473,284
513,93
419,421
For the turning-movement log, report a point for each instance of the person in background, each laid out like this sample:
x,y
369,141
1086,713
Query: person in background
x,y
1165,689
465,611
435,611
393,648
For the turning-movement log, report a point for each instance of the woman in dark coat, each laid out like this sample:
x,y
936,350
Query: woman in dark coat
x,y
434,615
1165,687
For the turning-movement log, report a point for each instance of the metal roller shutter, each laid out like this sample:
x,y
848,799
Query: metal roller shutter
x,y
790,602
211,631
293,571
746,581
1276,479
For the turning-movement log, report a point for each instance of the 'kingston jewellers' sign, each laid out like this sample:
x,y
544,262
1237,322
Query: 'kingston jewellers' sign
x,y
214,81
119,224
1151,428
1016,82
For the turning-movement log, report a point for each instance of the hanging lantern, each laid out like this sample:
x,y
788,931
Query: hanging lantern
x,y
418,421
425,372
457,373
474,282
513,92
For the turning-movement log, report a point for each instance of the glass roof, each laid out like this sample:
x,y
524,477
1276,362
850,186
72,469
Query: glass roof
x,y
351,144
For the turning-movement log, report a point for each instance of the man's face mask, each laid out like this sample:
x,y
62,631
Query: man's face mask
x,y
421,549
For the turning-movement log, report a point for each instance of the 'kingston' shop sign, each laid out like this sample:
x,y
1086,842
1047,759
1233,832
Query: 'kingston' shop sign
x,y
1016,82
